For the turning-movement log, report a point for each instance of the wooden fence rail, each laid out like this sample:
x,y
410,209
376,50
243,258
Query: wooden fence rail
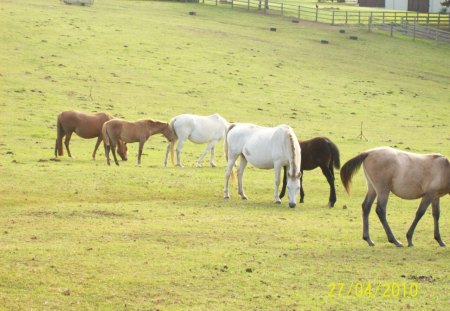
x,y
336,17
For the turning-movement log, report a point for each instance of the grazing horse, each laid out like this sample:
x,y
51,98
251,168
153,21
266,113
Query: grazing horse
x,y
266,148
130,132
318,152
198,129
84,125
407,175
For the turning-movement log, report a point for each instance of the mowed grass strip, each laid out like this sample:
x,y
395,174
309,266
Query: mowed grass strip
x,y
77,234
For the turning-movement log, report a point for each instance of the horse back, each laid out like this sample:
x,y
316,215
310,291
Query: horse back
x,y
83,124
319,151
408,175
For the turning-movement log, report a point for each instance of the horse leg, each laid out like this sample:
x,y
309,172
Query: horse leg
x,y
302,192
97,144
330,178
210,146
107,149
283,187
277,171
167,154
179,148
436,213
113,150
211,161
141,147
228,171
381,212
426,200
66,143
242,165
366,207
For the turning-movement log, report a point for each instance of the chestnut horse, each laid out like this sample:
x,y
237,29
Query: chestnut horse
x,y
130,132
318,152
407,175
84,125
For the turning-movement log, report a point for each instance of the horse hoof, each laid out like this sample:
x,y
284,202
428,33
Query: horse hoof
x,y
226,197
277,202
213,165
292,205
330,205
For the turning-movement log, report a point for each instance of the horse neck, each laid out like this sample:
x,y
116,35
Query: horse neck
x,y
162,128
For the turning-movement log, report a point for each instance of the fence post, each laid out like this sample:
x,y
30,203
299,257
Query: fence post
x,y
282,8
299,12
428,18
370,23
346,17
392,29
317,12
359,17
248,5
439,19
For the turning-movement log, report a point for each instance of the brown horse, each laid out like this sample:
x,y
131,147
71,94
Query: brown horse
x,y
84,125
318,152
409,176
130,132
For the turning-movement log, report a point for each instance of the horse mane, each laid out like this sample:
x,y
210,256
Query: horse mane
x,y
294,154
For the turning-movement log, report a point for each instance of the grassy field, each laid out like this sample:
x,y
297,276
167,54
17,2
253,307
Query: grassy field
x,y
77,234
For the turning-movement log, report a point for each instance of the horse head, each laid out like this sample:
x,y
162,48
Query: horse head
x,y
122,150
293,187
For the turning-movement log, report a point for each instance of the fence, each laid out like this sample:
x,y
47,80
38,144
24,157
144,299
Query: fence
x,y
412,30
335,16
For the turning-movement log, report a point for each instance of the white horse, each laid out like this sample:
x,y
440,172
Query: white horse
x,y
265,148
198,129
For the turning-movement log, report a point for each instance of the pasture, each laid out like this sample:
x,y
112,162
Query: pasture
x,y
78,234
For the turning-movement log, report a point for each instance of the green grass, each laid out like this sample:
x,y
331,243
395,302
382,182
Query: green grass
x,y
77,234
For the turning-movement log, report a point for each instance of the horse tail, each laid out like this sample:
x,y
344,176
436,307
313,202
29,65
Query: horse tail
x,y
59,136
105,135
225,149
350,168
334,154
172,142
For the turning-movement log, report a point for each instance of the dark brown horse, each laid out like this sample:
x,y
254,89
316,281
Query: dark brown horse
x,y
318,152
130,132
84,125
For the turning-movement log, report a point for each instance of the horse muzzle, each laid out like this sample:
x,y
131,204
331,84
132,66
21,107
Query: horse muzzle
x,y
292,205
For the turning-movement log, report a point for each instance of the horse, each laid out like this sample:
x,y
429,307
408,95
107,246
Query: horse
x,y
198,129
130,132
84,125
318,152
265,148
409,176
